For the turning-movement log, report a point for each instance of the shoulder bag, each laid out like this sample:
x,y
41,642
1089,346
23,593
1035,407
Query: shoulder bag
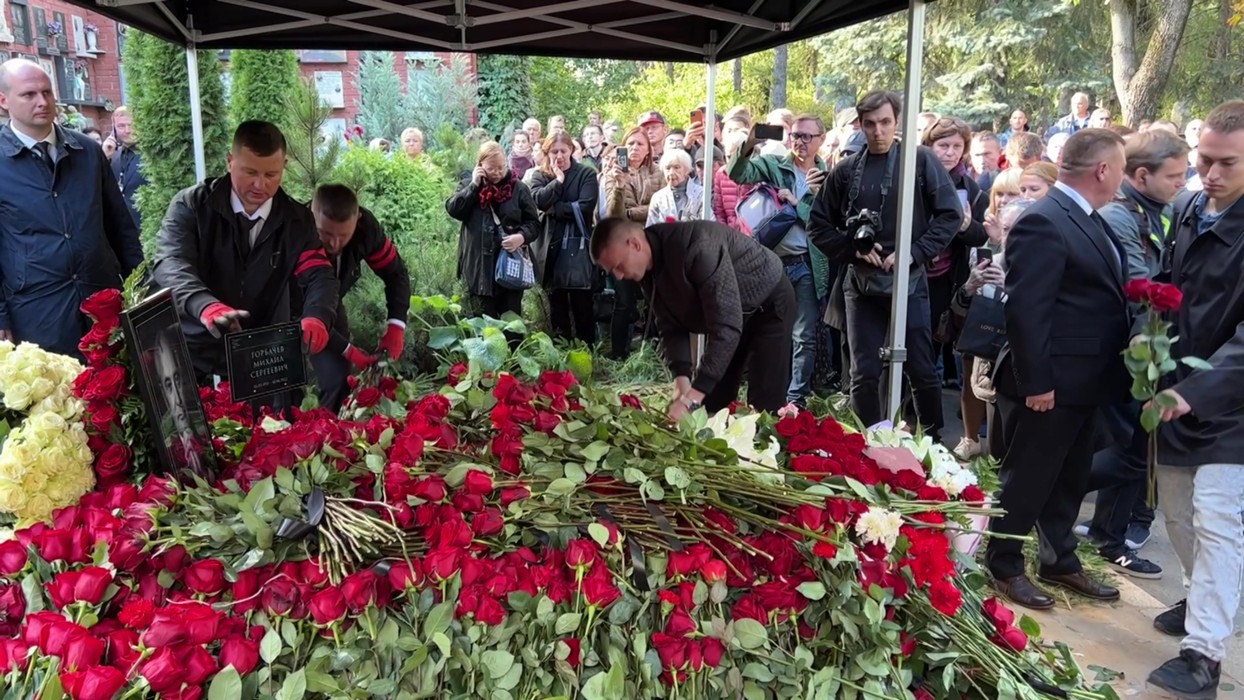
x,y
573,268
513,270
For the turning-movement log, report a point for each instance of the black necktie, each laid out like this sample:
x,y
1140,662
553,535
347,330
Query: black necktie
x,y
44,149
245,224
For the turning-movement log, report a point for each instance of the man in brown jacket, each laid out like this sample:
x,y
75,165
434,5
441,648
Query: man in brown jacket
x,y
702,277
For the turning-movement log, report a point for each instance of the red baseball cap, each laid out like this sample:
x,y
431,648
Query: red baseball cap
x,y
653,117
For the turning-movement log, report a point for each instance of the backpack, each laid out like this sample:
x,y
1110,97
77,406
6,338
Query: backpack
x,y
765,217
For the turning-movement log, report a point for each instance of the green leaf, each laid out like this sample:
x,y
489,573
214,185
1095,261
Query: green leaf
x,y
270,646
812,590
1196,363
438,619
294,687
497,662
560,487
599,533
575,473
1151,418
442,337
677,477
1165,400
758,672
750,634
1029,626
227,685
595,451
567,623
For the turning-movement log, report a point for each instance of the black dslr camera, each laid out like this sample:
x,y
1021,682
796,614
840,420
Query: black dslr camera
x,y
863,228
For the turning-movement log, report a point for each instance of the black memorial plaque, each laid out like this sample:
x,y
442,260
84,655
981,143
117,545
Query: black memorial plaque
x,y
265,361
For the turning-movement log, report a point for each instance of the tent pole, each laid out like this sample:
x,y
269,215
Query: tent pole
x,y
896,353
196,112
710,121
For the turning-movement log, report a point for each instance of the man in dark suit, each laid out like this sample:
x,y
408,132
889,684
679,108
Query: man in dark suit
x,y
702,277
1067,323
126,160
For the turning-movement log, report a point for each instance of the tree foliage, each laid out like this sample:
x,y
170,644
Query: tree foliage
x,y
261,86
505,95
312,152
574,87
159,88
381,103
439,94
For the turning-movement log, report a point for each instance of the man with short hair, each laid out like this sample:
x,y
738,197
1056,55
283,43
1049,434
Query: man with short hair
x,y
702,277
986,152
593,145
66,232
532,127
351,236
1067,324
595,118
1076,120
1200,475
798,177
655,128
126,160
229,249
1054,149
1023,150
674,140
1018,125
557,125
868,181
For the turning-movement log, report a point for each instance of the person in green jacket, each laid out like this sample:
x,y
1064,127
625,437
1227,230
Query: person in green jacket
x,y
798,177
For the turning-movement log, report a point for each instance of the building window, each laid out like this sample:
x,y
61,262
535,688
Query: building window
x,y
21,23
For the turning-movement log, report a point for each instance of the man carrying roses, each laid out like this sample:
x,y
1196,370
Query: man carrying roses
x,y
1199,448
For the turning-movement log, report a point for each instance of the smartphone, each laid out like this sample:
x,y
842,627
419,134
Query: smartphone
x,y
697,117
624,160
983,254
963,199
767,132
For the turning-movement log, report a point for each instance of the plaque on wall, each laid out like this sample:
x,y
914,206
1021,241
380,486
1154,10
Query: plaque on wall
x,y
328,86
265,361
62,38
41,30
310,56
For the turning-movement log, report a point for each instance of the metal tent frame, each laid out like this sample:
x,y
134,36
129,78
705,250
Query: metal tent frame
x,y
653,30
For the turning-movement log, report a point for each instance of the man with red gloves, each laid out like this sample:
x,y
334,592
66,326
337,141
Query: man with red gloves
x,y
351,235
230,247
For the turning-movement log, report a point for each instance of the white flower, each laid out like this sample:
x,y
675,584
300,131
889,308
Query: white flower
x,y
879,525
948,475
739,432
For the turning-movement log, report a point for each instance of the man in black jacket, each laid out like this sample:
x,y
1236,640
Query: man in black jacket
x,y
351,236
702,277
868,181
126,160
228,249
1067,323
1200,475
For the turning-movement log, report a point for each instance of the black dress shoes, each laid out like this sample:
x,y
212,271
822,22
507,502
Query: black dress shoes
x,y
1081,583
1021,591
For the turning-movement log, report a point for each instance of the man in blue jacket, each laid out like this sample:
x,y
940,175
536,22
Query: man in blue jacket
x,y
65,232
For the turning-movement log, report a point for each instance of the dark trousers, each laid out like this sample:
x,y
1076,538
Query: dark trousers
x,y
622,324
1044,476
1118,476
570,313
941,289
500,301
868,326
332,369
764,351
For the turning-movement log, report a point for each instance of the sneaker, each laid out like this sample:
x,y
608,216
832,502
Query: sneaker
x,y
1130,564
1137,536
1191,676
1172,621
1081,530
967,449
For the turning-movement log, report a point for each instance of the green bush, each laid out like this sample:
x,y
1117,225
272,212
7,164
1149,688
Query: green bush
x,y
407,197
504,91
262,84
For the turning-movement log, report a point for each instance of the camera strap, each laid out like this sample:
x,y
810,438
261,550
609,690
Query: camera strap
x,y
857,177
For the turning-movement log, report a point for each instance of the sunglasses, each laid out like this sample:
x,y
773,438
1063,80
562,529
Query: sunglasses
x,y
804,137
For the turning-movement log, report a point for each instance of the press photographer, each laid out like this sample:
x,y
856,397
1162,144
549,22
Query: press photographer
x,y
855,221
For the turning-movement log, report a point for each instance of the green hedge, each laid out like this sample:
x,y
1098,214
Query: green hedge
x,y
263,81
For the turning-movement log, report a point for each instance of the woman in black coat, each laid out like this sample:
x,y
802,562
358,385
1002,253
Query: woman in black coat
x,y
496,211
558,187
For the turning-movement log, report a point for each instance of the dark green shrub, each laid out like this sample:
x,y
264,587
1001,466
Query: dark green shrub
x,y
407,197
262,84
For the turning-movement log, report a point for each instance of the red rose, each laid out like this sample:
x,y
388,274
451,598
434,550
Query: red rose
x,y
311,571
206,576
1137,290
164,671
972,494
13,556
487,523
113,464
168,627
327,606
1165,297
574,657
478,483
599,591
1012,638
98,683
200,665
246,590
405,575
631,401
103,417
12,609
490,611
441,564
280,598
368,397
364,588
680,624
431,489
82,652
106,384
240,653
714,649
104,306
671,650
13,654
56,545
713,571
456,373
55,640
92,585
122,649
580,553
514,494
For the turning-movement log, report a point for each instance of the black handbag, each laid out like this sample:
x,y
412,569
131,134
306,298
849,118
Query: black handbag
x,y
984,327
573,268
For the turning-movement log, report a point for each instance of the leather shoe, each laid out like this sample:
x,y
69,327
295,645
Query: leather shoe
x,y
1021,591
1082,584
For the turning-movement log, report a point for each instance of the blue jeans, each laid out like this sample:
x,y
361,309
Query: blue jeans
x,y
807,316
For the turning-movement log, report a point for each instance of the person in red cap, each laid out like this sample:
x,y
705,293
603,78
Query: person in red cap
x,y
656,129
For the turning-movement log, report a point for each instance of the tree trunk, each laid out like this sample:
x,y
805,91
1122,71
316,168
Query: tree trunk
x,y
669,70
738,76
1140,84
777,94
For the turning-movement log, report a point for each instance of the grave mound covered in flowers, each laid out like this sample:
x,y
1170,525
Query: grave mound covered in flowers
x,y
509,537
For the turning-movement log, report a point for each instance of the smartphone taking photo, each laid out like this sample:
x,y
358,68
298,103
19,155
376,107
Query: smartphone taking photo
x,y
768,132
624,160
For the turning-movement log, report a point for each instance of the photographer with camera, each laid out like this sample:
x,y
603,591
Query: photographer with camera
x,y
798,177
855,221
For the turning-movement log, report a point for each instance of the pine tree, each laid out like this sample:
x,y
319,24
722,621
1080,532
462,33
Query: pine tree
x,y
312,154
262,84
159,87
382,106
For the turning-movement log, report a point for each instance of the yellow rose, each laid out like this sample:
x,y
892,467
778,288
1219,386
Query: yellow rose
x,y
17,395
35,481
41,388
12,498
37,508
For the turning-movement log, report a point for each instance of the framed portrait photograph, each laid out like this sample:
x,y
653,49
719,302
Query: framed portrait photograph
x,y
166,383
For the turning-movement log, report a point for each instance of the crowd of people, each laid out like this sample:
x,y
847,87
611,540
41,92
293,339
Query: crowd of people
x,y
1029,237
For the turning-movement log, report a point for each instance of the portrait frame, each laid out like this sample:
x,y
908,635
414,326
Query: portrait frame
x,y
165,378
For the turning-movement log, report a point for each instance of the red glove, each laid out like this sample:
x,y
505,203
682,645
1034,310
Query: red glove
x,y
314,334
393,341
218,318
358,358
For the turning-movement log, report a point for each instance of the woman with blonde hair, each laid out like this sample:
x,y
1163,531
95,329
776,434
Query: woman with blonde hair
x,y
1005,189
412,143
497,212
1037,179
